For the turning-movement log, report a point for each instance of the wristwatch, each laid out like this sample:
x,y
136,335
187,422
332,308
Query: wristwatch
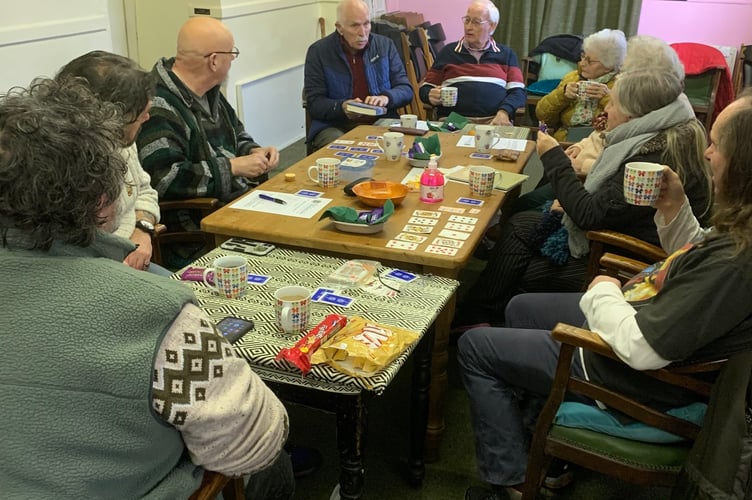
x,y
145,226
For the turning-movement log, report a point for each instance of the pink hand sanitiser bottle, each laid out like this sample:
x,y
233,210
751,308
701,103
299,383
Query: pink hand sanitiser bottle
x,y
432,183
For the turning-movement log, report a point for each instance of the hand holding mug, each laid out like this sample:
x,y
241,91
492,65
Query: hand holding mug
x,y
671,197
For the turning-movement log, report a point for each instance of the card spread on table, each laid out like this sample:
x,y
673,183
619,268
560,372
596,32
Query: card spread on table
x,y
456,226
441,250
463,220
344,153
423,221
480,156
400,275
257,279
414,238
452,210
320,292
474,211
336,146
427,213
455,235
412,228
309,194
470,201
343,141
336,300
448,242
402,245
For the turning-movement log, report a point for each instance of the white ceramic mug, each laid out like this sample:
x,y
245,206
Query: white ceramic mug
x,y
230,275
582,88
481,179
642,182
292,308
409,121
392,144
486,138
448,97
327,172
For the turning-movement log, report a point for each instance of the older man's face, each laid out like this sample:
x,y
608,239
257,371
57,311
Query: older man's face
x,y
355,28
478,27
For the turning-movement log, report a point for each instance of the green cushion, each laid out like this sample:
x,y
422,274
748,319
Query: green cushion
x,y
697,88
665,457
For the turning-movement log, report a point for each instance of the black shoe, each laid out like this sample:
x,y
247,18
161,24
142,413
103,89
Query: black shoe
x,y
559,475
304,460
480,493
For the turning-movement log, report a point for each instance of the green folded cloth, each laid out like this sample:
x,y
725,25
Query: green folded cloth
x,y
369,217
431,144
451,123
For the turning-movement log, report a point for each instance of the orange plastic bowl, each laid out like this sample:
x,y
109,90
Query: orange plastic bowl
x,y
375,193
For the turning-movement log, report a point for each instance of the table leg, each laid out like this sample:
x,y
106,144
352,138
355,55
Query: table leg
x,y
351,431
419,408
439,381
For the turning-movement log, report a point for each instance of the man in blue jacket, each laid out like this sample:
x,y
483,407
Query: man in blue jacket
x,y
351,64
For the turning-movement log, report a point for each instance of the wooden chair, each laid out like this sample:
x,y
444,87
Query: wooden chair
x,y
742,76
214,483
627,255
415,106
702,90
164,236
633,461
308,119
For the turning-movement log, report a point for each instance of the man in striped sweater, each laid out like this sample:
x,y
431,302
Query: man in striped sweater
x,y
489,82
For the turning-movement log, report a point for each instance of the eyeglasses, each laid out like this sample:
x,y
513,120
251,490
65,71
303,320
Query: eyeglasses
x,y
587,59
472,20
234,52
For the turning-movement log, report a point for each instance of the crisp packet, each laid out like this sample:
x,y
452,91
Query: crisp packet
x,y
300,354
364,347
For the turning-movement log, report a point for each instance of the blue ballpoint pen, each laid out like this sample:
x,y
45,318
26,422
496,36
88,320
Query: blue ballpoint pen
x,y
271,198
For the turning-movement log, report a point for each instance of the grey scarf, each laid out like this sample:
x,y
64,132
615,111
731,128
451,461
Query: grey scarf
x,y
621,143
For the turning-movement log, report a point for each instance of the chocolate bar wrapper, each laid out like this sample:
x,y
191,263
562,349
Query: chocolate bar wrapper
x,y
300,354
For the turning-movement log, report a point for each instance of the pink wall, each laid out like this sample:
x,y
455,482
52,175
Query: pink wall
x,y
719,22
715,22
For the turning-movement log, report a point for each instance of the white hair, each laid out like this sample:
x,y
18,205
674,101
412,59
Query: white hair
x,y
645,51
610,47
343,3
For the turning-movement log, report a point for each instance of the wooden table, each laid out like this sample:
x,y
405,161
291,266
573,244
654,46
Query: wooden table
x,y
321,236
414,308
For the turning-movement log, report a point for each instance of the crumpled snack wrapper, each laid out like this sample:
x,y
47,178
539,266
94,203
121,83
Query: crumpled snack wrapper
x,y
431,146
349,214
364,347
451,123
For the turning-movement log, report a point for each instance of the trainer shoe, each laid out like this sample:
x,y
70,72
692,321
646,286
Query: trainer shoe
x,y
559,475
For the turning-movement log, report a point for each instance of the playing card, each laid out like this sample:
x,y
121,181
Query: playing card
x,y
480,156
448,242
309,194
257,279
367,157
423,221
358,149
373,137
427,213
344,154
455,235
377,151
369,144
343,141
470,201
320,292
414,238
402,245
441,250
456,226
452,210
336,146
400,275
336,300
411,228
474,211
462,219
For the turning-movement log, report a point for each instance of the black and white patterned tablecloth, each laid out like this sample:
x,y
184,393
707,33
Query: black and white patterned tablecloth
x,y
414,308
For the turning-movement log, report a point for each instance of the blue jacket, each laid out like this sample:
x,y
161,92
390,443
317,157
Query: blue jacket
x,y
328,79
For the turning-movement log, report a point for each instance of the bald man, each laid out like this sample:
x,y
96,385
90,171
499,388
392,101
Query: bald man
x,y
194,144
351,64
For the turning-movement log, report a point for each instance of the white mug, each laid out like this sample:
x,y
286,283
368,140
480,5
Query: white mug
x,y
642,182
230,275
292,308
448,97
409,121
392,144
327,172
481,180
486,138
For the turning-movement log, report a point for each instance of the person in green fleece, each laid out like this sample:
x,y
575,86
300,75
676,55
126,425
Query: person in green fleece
x,y
113,381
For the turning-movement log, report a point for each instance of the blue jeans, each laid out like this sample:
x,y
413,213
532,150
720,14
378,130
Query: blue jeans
x,y
508,373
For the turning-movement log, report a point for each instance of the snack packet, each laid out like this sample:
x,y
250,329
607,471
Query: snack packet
x,y
364,347
300,354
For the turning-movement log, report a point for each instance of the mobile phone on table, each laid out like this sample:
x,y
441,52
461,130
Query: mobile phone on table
x,y
233,328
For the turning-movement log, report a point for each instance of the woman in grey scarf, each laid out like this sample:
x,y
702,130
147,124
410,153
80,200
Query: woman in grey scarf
x,y
650,120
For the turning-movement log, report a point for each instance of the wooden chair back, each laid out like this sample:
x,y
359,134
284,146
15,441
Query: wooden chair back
x,y
742,76
628,255
415,106
702,90
214,483
601,452
166,236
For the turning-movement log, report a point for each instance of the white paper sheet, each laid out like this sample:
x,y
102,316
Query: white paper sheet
x,y
468,141
296,206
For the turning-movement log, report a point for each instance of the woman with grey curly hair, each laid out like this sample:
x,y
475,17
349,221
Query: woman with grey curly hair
x,y
583,94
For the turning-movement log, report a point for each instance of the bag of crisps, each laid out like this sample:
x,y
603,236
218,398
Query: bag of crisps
x,y
364,347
